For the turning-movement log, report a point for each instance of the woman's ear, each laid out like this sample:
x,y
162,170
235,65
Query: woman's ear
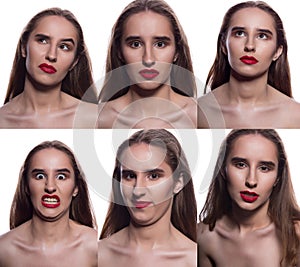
x,y
74,64
175,58
278,53
178,185
23,51
75,192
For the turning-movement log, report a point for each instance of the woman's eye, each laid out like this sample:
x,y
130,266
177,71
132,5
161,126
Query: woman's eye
x,y
40,176
240,165
160,44
64,47
42,41
135,44
262,36
61,176
240,33
153,176
264,168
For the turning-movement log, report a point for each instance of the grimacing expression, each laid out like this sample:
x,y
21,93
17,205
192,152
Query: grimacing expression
x,y
51,182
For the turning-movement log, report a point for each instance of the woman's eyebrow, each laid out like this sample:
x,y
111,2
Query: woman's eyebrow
x,y
240,28
47,37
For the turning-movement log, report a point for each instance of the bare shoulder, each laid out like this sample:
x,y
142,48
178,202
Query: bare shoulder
x,y
10,243
108,112
86,115
111,248
291,111
210,114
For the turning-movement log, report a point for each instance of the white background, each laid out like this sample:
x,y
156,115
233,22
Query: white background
x,y
201,21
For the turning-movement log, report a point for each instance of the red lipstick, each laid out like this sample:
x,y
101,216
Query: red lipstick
x,y
248,196
47,68
149,74
249,60
141,204
50,201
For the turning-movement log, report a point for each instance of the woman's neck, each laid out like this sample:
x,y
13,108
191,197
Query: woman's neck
x,y
41,100
164,91
149,237
255,91
250,220
49,233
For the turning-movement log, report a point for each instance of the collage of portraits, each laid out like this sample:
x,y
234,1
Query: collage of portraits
x,y
149,133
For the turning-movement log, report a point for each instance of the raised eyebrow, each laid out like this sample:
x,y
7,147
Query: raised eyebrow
x,y
237,28
265,31
63,170
37,171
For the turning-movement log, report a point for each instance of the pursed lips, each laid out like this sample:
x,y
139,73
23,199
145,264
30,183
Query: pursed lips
x,y
47,68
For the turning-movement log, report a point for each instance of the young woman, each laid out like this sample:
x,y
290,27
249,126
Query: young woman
x,y
51,217
250,217
147,223
149,79
250,77
50,76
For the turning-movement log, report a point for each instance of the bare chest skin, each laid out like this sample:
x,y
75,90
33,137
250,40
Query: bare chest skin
x,y
148,113
78,252
222,248
279,114
112,255
74,116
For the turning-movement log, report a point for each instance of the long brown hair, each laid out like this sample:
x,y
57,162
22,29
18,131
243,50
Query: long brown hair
x,y
283,209
279,71
81,208
182,78
184,211
77,81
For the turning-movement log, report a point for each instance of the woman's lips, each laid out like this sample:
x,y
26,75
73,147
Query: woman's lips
x,y
149,74
248,60
248,196
141,204
50,201
47,68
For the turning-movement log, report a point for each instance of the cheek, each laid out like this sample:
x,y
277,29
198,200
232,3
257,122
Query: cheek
x,y
162,191
126,191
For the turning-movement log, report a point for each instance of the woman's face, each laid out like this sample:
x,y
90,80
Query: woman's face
x,y
251,42
251,171
148,47
51,50
147,184
51,182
